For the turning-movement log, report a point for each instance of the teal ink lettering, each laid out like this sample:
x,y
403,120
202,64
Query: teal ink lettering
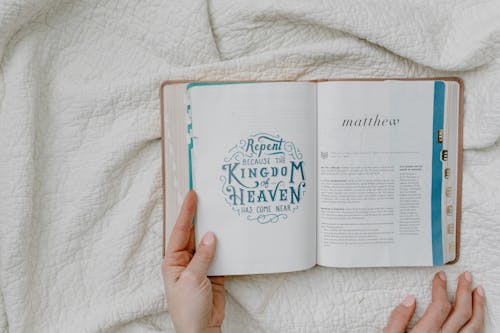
x,y
298,167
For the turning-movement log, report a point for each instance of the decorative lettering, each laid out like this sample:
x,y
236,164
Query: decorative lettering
x,y
263,178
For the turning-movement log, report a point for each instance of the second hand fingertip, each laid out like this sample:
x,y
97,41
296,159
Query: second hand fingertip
x,y
480,291
409,301
442,276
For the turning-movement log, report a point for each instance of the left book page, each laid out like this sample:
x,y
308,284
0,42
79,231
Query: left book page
x,y
252,160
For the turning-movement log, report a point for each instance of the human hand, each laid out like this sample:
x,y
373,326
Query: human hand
x,y
195,302
466,315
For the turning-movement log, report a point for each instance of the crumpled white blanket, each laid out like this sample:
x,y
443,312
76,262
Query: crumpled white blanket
x,y
80,158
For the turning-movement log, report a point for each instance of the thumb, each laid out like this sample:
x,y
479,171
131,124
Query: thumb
x,y
205,253
400,316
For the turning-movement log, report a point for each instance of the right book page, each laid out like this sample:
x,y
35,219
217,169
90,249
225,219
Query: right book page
x,y
380,173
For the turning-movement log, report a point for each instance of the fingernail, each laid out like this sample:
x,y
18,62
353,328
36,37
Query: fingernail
x,y
442,275
409,301
480,291
468,276
208,239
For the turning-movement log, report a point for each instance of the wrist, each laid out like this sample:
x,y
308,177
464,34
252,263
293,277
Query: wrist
x,y
213,329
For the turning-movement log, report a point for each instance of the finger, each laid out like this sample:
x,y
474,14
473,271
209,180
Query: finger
x,y
400,316
218,299
183,228
476,323
437,312
198,267
218,291
462,310
217,280
192,242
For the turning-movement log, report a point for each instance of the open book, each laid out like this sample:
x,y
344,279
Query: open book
x,y
342,173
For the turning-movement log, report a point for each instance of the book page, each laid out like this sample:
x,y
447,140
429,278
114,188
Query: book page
x,y
175,167
253,167
375,153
